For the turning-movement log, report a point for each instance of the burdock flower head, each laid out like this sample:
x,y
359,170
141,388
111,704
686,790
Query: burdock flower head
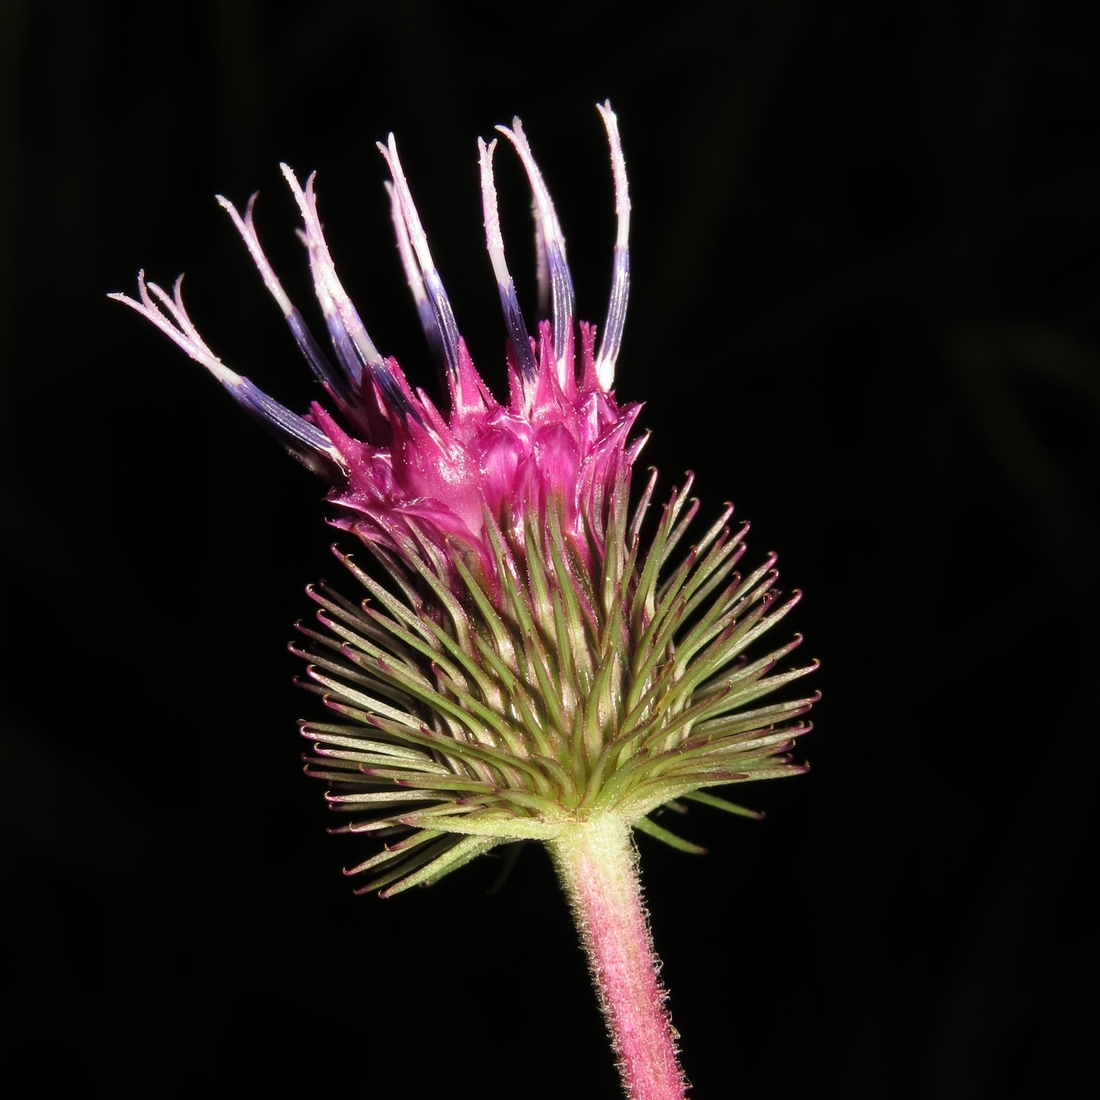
x,y
529,666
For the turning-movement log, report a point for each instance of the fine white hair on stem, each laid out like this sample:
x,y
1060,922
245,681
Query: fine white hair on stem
x,y
561,283
612,336
494,243
433,285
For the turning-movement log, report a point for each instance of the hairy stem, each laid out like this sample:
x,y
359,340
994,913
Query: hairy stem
x,y
598,866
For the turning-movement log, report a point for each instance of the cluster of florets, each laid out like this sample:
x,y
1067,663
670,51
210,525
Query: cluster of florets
x,y
531,663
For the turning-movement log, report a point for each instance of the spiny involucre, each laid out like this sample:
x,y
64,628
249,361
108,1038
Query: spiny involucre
x,y
529,661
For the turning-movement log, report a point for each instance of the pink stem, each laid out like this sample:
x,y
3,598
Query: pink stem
x,y
598,866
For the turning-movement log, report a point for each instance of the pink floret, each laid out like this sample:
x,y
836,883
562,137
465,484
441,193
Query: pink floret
x,y
434,479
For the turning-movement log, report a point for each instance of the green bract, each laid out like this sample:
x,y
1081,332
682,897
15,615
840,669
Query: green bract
x,y
506,711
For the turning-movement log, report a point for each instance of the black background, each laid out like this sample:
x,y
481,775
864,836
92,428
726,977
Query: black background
x,y
866,256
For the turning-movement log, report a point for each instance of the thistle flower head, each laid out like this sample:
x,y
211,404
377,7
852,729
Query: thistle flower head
x,y
530,660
